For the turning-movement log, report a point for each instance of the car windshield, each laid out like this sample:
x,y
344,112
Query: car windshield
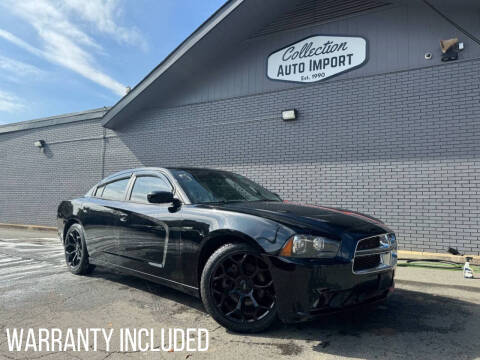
x,y
211,186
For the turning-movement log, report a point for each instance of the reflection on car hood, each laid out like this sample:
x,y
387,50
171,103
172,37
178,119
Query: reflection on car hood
x,y
309,217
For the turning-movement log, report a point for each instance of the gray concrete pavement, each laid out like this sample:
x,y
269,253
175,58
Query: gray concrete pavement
x,y
433,314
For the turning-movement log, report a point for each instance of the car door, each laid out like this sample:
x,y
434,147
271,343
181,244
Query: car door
x,y
150,233
102,218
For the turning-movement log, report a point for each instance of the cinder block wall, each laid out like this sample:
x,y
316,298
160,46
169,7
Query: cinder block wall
x,y
33,183
403,147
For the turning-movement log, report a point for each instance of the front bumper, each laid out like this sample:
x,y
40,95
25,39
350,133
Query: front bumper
x,y
306,289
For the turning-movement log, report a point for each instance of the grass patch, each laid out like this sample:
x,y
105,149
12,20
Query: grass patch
x,y
436,265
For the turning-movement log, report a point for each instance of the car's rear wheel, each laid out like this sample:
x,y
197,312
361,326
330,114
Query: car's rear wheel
x,y
76,255
237,289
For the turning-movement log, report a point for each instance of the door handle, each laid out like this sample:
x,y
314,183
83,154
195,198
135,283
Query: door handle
x,y
123,218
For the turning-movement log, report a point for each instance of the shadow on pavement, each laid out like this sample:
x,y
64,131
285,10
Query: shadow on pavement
x,y
148,286
410,324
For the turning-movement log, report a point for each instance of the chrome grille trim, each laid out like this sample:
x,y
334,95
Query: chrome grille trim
x,y
373,251
386,252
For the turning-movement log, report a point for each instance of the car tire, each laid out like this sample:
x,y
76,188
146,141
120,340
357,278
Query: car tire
x,y
237,289
76,254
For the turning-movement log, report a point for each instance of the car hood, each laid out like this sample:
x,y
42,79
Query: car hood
x,y
309,218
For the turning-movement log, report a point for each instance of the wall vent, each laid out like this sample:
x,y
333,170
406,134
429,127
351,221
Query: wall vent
x,y
317,11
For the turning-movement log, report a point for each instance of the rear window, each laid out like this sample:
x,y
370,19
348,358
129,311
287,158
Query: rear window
x,y
115,190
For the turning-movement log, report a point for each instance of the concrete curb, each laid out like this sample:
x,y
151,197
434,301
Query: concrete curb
x,y
29,227
418,255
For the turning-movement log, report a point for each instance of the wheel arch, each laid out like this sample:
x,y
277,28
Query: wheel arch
x,y
68,224
67,215
219,238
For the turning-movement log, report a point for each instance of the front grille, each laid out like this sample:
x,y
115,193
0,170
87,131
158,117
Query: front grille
x,y
366,262
375,253
370,243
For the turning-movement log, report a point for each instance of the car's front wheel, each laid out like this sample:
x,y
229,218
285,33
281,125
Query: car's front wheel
x,y
237,289
76,255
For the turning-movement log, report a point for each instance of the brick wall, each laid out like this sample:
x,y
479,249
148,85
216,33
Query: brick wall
x,y
403,147
33,183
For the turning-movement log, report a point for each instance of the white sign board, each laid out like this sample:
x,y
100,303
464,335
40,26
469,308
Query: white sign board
x,y
317,58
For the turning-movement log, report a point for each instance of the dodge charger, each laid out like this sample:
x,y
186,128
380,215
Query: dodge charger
x,y
250,256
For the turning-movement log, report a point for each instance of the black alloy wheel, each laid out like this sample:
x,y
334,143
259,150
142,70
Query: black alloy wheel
x,y
73,248
241,294
76,255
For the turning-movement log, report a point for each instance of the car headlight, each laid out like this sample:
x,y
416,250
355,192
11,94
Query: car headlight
x,y
310,246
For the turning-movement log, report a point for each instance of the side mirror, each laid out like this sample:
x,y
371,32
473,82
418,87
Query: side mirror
x,y
160,197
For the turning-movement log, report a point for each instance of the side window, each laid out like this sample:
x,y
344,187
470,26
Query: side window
x,y
115,190
146,184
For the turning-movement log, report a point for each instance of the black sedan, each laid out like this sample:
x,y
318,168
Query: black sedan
x,y
250,256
